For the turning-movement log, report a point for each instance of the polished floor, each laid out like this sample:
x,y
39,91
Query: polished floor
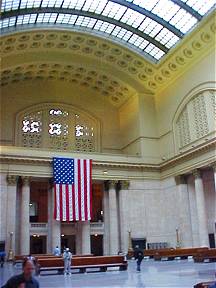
x,y
181,273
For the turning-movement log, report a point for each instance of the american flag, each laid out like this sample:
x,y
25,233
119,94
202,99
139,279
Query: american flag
x,y
72,188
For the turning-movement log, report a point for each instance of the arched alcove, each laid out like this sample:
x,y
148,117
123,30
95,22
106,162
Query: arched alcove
x,y
58,127
195,117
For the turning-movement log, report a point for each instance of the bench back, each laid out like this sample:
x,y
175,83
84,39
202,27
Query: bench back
x,y
98,260
206,253
152,252
81,261
46,256
181,252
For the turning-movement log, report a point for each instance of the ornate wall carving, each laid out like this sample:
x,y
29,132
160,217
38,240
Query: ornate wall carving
x,y
200,116
183,128
57,127
213,102
196,119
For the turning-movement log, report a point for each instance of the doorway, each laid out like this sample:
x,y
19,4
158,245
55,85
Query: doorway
x,y
38,244
212,240
68,241
141,242
97,245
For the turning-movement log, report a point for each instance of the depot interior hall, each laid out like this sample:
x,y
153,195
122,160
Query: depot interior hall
x,y
129,84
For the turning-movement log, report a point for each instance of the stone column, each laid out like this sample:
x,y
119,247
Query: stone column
x,y
55,225
79,238
86,238
124,185
11,215
50,217
201,209
113,218
106,236
214,171
24,217
185,228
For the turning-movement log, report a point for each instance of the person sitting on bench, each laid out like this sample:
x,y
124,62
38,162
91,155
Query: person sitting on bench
x,y
57,251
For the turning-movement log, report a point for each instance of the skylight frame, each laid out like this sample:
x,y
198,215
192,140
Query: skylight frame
x,y
125,18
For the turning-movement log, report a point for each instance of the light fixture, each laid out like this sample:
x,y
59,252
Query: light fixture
x,y
102,212
34,235
62,235
95,235
30,204
105,172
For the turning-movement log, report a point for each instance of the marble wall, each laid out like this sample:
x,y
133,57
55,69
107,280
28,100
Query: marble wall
x,y
3,206
150,209
153,209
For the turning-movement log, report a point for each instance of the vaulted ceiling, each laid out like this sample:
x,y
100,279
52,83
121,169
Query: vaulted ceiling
x,y
110,47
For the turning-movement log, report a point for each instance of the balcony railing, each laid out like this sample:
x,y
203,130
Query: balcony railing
x,y
38,227
96,227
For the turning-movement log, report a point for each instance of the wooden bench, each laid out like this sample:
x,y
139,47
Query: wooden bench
x,y
20,258
152,252
209,255
83,263
147,252
204,284
182,253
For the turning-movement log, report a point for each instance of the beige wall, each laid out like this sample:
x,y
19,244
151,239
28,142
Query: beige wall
x,y
143,126
199,76
18,97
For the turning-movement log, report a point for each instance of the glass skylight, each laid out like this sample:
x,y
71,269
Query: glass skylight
x,y
202,7
150,26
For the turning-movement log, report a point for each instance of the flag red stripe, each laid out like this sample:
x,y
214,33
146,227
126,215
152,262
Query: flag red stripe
x,y
61,202
79,190
67,203
73,203
90,183
55,208
85,190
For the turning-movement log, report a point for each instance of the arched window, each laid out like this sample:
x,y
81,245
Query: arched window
x,y
57,127
195,119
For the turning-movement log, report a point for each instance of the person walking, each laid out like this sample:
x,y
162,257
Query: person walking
x,y
25,279
2,258
138,255
67,255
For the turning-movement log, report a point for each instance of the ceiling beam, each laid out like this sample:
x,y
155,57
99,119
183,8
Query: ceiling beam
x,y
188,9
151,15
16,13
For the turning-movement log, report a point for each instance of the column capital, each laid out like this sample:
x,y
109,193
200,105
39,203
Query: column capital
x,y
180,179
111,184
196,173
12,179
214,166
124,184
25,180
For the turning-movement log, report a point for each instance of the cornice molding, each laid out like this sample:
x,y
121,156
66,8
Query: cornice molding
x,y
117,164
189,154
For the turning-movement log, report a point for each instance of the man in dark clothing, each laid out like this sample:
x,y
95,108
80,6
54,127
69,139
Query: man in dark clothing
x,y
25,279
2,258
138,255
